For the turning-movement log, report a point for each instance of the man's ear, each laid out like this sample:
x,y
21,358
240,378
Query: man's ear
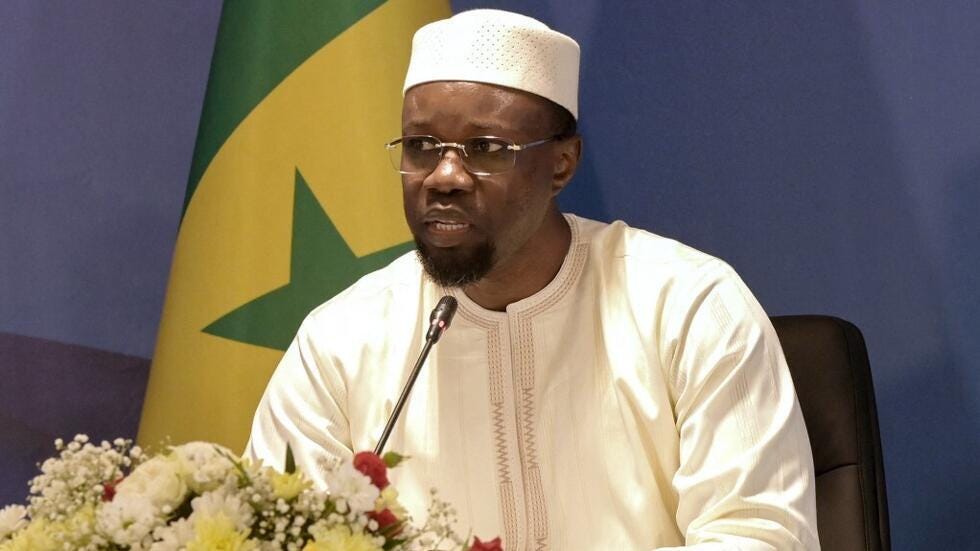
x,y
569,153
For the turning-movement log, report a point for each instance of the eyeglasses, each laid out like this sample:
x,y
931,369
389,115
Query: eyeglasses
x,y
481,156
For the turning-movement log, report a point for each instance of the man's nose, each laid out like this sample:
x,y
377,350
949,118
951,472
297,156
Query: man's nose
x,y
449,175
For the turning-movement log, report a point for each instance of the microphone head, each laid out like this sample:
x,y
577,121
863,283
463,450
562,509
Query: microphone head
x,y
441,317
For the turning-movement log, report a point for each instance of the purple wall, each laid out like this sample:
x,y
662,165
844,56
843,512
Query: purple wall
x,y
830,151
99,104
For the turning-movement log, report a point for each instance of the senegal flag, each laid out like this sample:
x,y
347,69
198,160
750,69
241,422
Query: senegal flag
x,y
290,199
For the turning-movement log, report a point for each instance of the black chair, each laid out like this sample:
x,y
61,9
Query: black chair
x,y
829,365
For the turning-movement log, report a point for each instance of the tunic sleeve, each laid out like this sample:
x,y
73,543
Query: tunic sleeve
x,y
304,405
745,479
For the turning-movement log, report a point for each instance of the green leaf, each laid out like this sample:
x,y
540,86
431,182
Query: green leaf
x,y
243,478
393,544
392,459
183,510
290,461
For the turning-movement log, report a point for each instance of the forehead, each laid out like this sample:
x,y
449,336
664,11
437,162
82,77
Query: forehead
x,y
453,107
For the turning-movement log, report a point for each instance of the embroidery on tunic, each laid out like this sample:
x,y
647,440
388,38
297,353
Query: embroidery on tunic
x,y
495,376
522,351
537,514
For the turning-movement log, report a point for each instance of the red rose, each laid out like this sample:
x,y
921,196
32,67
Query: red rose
x,y
492,545
384,519
373,467
109,489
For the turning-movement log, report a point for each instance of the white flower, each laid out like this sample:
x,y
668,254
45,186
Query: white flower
x,y
351,486
159,479
12,519
75,477
203,465
127,519
223,502
174,536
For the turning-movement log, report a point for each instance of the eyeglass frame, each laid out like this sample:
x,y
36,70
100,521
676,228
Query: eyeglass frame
x,y
441,145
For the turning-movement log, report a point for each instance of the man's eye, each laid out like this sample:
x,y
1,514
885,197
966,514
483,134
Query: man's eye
x,y
420,144
485,146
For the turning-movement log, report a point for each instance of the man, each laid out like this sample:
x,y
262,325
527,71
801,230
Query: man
x,y
600,388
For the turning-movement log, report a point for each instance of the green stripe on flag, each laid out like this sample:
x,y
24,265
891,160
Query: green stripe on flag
x,y
259,43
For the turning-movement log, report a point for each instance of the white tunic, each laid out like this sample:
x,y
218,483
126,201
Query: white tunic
x,y
640,401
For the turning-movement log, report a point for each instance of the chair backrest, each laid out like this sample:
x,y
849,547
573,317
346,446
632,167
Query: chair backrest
x,y
829,365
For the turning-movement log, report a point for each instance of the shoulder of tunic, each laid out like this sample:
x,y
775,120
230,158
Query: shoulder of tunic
x,y
373,296
660,260
660,281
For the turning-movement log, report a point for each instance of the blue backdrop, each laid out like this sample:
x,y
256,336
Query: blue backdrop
x,y
829,151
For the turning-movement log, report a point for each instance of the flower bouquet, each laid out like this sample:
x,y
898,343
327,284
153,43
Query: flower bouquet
x,y
199,496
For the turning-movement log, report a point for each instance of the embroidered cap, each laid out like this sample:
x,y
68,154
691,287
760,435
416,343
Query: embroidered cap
x,y
497,47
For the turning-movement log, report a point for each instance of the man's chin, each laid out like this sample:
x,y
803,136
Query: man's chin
x,y
455,267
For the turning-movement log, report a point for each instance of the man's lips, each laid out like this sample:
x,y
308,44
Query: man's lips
x,y
446,220
445,216
446,228
442,226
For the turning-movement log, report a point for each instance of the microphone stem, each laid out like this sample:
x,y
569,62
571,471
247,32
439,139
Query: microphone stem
x,y
404,396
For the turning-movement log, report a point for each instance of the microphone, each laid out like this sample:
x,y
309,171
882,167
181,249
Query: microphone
x,y
439,320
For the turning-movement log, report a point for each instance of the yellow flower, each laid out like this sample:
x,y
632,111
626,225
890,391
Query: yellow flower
x,y
288,486
340,538
36,537
389,500
218,533
78,528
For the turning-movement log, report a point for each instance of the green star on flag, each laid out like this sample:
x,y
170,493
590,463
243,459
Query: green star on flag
x,y
322,265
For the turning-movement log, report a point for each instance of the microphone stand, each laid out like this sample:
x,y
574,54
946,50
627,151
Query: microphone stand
x,y
439,321
404,396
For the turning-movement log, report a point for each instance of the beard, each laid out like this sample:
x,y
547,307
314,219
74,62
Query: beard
x,y
456,267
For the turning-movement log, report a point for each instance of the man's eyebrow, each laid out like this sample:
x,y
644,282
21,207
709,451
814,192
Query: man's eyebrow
x,y
416,123
480,126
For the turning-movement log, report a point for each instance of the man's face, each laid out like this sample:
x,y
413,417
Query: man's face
x,y
465,226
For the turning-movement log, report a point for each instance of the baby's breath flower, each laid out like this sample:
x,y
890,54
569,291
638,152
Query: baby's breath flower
x,y
173,536
74,478
12,519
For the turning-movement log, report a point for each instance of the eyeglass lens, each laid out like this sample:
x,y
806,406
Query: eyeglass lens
x,y
480,155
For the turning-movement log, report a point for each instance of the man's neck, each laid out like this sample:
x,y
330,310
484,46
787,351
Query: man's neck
x,y
528,271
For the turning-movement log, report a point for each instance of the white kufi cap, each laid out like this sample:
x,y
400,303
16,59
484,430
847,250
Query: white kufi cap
x,y
498,47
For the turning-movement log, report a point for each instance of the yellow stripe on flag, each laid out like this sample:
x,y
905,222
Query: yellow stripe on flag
x,y
327,120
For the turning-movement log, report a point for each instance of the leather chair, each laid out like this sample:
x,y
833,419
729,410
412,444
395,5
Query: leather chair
x,y
829,365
